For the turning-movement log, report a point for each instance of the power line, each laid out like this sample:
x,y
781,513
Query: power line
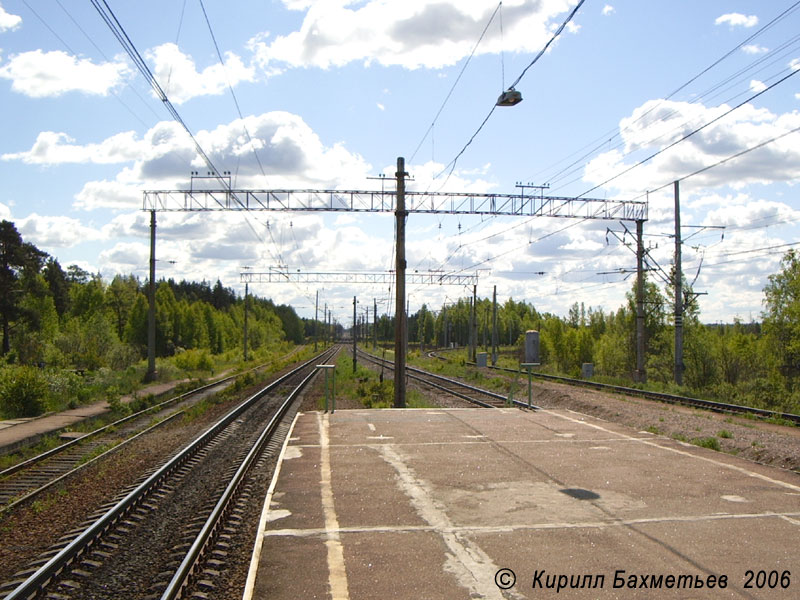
x,y
69,48
452,164
690,134
615,133
230,87
455,83
730,158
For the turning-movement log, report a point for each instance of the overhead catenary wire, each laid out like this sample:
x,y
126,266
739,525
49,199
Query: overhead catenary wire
x,y
614,133
452,164
730,158
455,83
86,35
690,134
280,258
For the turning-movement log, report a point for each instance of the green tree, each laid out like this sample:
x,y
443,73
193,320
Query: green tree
x,y
15,256
119,298
58,284
782,317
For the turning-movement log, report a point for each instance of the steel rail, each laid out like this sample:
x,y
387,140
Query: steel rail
x,y
32,494
455,382
712,405
53,451
670,398
155,408
184,575
31,587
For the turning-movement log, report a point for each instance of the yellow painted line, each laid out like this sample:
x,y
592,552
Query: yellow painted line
x,y
792,517
337,575
477,440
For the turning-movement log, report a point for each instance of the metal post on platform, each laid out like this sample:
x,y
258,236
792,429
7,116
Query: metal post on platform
x,y
528,367
332,396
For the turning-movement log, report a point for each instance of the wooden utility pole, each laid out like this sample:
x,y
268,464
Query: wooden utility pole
x,y
374,324
400,289
150,375
678,291
473,325
245,324
494,327
316,312
641,374
355,334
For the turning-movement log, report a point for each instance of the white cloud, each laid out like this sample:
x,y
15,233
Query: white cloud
x,y
289,152
408,33
658,123
757,86
125,257
40,74
108,194
758,212
5,212
754,49
52,148
8,21
737,19
607,10
55,232
381,106
179,78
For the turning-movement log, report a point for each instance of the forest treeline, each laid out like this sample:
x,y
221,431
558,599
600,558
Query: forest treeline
x,y
753,363
69,319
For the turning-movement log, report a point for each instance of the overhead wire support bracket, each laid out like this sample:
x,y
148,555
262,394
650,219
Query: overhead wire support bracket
x,y
307,200
385,277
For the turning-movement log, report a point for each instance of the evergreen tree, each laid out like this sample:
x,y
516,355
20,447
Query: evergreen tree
x,y
15,256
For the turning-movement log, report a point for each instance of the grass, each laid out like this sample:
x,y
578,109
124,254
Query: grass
x,y
365,386
711,443
98,451
46,443
725,434
40,506
655,430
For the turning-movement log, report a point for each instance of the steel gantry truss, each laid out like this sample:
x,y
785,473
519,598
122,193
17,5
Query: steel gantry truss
x,y
384,277
524,204
530,201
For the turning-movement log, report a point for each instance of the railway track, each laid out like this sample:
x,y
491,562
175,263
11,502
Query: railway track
x,y
712,405
170,535
472,394
24,481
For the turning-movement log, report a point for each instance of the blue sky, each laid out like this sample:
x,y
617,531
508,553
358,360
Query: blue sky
x,y
333,91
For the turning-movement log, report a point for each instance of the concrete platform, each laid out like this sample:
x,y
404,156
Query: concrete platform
x,y
459,503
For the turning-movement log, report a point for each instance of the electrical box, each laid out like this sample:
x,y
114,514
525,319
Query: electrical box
x,y
532,346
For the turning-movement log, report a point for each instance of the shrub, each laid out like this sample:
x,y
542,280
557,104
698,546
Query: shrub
x,y
23,392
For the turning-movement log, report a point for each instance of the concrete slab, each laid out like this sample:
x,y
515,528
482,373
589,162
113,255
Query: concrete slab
x,y
448,503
